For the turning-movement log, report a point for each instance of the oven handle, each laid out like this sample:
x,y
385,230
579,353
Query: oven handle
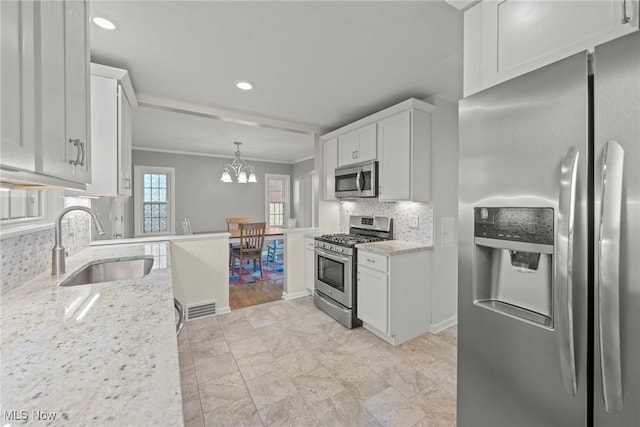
x,y
332,255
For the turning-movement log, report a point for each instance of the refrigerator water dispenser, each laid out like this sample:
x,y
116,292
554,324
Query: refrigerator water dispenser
x,y
513,262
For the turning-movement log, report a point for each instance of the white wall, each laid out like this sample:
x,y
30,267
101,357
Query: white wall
x,y
327,213
200,272
444,192
201,196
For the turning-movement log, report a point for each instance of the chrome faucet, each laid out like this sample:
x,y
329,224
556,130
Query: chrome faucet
x,y
58,253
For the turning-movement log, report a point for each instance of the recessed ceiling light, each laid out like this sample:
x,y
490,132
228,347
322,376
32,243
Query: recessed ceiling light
x,y
243,85
104,23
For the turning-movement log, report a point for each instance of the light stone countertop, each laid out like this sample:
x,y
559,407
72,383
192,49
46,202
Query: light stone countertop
x,y
100,354
393,247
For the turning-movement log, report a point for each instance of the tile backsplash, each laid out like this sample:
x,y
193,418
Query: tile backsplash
x,y
399,211
28,255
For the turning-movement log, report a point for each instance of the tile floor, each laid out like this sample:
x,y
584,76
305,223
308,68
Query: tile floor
x,y
286,363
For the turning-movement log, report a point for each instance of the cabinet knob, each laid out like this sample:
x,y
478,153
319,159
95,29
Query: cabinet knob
x,y
127,183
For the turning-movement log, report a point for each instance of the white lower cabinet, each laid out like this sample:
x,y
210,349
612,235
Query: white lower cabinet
x,y
394,294
309,270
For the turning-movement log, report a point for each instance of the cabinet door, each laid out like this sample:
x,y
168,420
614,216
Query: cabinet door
x,y
394,139
519,36
347,148
17,123
330,164
125,129
64,108
367,141
55,150
373,298
76,72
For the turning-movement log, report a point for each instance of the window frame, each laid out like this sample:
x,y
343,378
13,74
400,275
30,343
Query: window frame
x,y
287,198
138,199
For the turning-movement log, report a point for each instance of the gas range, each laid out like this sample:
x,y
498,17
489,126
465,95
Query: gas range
x,y
336,262
362,229
344,243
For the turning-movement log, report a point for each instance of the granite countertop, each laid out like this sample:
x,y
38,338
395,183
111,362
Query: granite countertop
x,y
100,354
393,247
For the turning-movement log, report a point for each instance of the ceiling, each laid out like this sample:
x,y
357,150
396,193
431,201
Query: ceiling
x,y
315,65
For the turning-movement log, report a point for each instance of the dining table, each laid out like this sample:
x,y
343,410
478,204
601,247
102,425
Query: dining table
x,y
270,233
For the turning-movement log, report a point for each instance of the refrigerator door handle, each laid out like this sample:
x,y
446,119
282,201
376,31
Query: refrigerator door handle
x,y
609,275
564,268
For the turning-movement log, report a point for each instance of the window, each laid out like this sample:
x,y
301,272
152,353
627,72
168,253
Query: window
x,y
154,208
20,205
277,200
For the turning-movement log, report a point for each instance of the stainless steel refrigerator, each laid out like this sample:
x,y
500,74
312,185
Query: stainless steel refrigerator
x,y
549,253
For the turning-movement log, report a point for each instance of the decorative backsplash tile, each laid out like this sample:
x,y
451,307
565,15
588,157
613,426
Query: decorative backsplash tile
x,y
399,211
28,255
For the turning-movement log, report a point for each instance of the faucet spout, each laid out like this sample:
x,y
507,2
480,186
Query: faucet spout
x,y
58,253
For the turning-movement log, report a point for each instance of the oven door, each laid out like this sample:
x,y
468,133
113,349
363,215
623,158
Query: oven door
x,y
334,276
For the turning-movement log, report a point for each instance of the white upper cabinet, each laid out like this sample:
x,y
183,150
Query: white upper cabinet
x,y
507,38
45,93
63,62
404,147
112,102
330,164
357,146
399,138
17,82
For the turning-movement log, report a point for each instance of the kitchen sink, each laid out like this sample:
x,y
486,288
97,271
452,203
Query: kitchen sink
x,y
109,270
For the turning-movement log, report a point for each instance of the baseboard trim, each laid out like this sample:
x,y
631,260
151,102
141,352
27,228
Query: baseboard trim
x,y
441,326
300,294
223,310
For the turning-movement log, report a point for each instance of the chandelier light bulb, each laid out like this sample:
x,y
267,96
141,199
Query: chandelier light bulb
x,y
239,168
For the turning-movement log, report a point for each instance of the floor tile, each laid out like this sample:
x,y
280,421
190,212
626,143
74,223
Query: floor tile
x,y
241,413
390,408
238,331
438,404
290,412
442,373
287,363
405,379
377,358
343,410
270,388
192,413
338,360
362,382
317,385
257,365
210,367
222,391
247,347
300,362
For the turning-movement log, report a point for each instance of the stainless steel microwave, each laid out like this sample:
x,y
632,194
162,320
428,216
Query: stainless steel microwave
x,y
357,180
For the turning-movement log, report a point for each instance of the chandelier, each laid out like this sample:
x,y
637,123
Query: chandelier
x,y
239,168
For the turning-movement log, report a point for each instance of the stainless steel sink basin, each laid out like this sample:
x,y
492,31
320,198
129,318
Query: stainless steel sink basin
x,y
109,270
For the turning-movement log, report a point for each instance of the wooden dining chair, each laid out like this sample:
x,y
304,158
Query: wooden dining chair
x,y
251,245
233,223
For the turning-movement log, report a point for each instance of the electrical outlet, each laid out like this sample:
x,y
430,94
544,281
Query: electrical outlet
x,y
414,221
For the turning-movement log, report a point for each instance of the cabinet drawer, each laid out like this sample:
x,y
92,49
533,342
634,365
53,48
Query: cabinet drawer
x,y
310,244
374,261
